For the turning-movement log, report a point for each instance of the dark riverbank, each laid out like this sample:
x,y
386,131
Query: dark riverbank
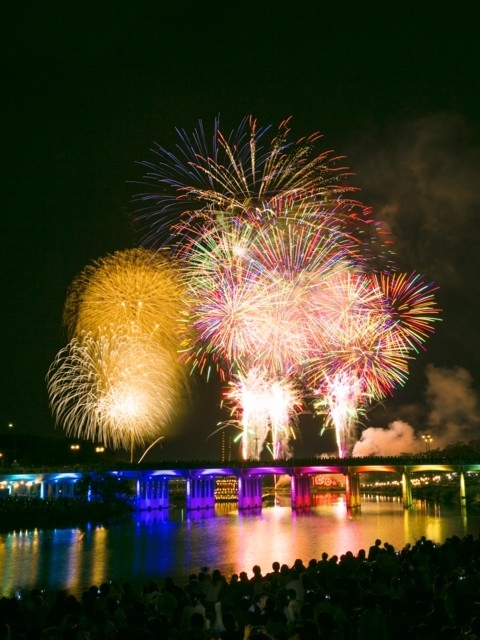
x,y
18,513
446,494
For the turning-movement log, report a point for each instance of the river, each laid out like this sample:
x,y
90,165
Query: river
x,y
176,543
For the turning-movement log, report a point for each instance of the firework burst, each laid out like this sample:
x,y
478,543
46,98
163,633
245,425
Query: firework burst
x,y
267,412
238,173
118,378
411,304
135,288
230,297
113,389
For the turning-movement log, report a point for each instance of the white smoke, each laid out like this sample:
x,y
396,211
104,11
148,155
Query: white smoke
x,y
399,438
453,416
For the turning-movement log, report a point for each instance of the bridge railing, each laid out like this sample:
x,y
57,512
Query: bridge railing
x,y
287,464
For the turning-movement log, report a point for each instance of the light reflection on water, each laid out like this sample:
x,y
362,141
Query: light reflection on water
x,y
176,543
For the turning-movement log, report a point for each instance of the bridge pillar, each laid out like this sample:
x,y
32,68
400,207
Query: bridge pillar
x,y
300,492
352,490
249,492
49,490
52,490
406,490
68,489
463,490
55,490
200,493
152,493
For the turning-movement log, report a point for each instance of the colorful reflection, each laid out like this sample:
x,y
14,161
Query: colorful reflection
x,y
175,543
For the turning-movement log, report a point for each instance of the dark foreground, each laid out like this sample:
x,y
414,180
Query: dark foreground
x,y
423,591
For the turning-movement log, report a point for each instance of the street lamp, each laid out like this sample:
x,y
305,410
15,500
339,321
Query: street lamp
x,y
75,448
11,426
427,438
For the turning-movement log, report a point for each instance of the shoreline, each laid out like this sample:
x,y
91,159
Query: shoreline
x,y
20,513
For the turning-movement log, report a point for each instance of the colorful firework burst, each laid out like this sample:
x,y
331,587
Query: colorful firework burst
x,y
362,358
411,304
244,174
236,172
229,295
266,411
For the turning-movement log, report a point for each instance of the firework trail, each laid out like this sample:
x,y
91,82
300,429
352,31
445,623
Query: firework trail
x,y
267,412
118,378
343,401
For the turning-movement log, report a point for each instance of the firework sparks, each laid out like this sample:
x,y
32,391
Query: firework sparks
x,y
113,389
236,173
341,398
365,358
119,377
267,410
412,305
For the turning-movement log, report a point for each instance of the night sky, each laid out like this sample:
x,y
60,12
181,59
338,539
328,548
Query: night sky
x,y
87,92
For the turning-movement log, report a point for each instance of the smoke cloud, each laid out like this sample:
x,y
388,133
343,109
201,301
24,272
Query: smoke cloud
x,y
452,416
454,408
421,178
399,438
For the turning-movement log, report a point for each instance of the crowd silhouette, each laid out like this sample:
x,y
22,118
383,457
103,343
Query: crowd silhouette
x,y
425,591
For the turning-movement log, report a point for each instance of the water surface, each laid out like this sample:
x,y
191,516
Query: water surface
x,y
176,543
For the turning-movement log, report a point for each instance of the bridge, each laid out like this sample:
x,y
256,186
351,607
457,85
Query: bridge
x,y
152,483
